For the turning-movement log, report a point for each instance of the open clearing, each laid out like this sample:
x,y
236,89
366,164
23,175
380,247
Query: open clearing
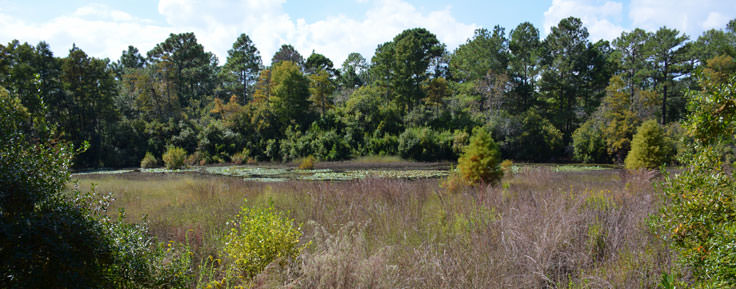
x,y
545,225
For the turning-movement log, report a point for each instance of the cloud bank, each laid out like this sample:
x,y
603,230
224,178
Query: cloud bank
x,y
104,32
605,20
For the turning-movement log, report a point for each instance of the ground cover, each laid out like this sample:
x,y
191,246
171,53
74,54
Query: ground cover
x,y
541,227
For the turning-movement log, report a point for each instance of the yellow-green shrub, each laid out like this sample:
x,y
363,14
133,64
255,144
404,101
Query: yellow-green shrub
x,y
241,157
307,163
480,159
149,161
174,157
259,237
650,147
507,166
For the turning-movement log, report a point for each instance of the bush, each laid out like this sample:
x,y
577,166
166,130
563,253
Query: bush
x,y
480,160
588,143
260,237
425,144
307,163
216,142
52,238
700,213
507,166
194,159
174,158
538,140
241,157
650,148
149,161
381,145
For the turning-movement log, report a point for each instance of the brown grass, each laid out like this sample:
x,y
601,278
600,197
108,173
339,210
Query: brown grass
x,y
540,229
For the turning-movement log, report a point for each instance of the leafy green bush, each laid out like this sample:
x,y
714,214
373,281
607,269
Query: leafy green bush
x,y
700,215
528,136
480,159
149,161
260,237
53,239
588,143
425,144
241,157
325,145
381,145
174,158
216,142
538,139
650,147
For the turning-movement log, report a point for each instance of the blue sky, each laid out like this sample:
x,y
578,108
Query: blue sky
x,y
335,28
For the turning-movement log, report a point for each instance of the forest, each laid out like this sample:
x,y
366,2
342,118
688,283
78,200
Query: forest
x,y
562,98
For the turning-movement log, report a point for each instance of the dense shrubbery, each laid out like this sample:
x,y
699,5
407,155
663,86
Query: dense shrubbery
x,y
174,157
324,145
588,144
53,239
425,144
538,140
650,147
700,216
149,161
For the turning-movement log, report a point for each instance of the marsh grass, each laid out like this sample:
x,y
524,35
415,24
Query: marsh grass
x,y
540,228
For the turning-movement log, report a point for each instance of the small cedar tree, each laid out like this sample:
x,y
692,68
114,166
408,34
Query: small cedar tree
x,y
480,160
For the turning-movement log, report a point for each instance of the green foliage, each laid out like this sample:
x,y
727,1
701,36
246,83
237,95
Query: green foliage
x,y
650,147
588,143
486,51
528,136
381,145
175,95
700,216
53,239
174,158
324,145
480,160
217,142
402,64
290,100
242,67
149,161
571,81
287,53
241,157
260,237
425,144
618,118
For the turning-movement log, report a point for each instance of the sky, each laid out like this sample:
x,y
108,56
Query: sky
x,y
105,28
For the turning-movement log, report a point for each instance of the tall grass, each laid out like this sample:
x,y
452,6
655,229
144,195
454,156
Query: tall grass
x,y
540,229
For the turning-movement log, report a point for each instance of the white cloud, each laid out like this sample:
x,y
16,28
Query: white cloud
x,y
691,17
715,20
602,19
218,23
104,32
96,29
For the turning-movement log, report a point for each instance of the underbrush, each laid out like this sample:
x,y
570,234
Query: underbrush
x,y
540,229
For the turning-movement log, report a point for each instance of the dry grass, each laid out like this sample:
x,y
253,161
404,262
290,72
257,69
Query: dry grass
x,y
540,229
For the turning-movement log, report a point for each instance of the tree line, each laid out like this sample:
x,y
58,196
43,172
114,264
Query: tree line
x,y
557,98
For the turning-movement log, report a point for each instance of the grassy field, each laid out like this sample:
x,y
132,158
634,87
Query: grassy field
x,y
543,227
